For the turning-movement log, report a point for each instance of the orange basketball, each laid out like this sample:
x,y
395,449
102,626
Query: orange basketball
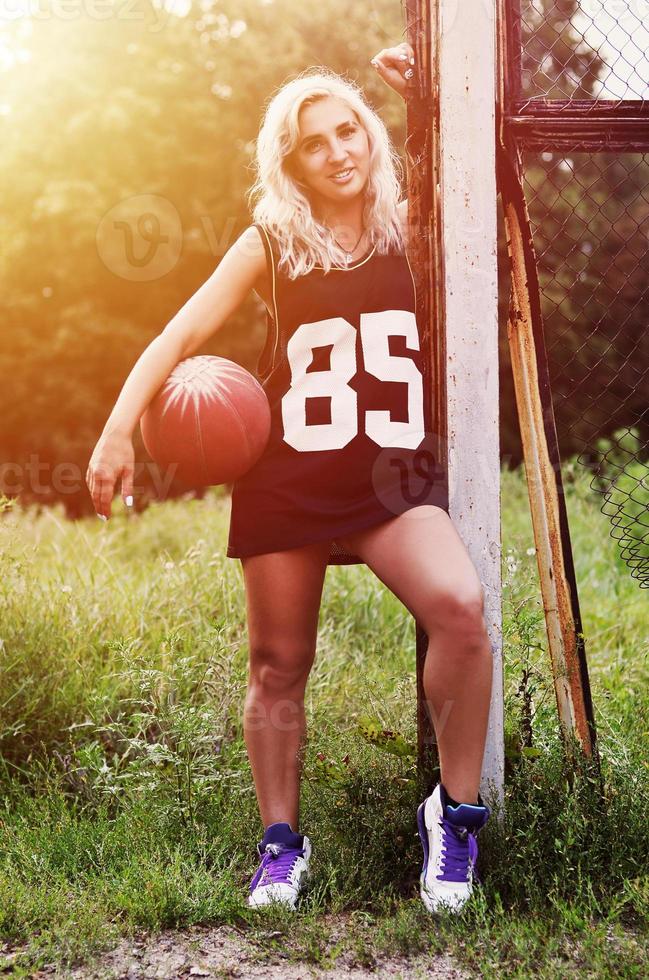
x,y
210,421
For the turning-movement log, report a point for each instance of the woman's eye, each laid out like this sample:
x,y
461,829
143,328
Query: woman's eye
x,y
345,133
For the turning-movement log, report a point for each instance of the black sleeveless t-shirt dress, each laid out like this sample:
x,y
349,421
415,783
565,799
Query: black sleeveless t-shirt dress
x,y
350,443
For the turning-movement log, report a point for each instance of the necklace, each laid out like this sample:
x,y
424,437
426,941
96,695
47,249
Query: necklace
x,y
348,254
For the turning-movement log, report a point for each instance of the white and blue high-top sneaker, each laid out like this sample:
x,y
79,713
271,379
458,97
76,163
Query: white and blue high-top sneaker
x,y
450,850
284,867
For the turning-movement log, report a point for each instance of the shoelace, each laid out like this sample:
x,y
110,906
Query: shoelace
x,y
459,852
276,865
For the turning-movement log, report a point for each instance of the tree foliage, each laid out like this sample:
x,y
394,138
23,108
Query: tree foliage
x,y
139,111
105,110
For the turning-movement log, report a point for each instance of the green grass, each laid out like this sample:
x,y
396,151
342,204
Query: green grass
x,y
127,802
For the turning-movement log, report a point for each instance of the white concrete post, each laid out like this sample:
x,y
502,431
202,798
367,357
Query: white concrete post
x,y
468,176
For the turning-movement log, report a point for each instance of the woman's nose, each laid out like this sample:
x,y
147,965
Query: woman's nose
x,y
337,151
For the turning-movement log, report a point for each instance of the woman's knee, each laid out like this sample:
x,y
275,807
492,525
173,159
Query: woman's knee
x,y
459,610
280,672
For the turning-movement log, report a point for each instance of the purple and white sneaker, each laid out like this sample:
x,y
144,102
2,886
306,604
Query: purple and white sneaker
x,y
284,867
450,850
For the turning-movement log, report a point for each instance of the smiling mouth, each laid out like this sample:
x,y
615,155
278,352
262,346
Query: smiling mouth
x,y
342,174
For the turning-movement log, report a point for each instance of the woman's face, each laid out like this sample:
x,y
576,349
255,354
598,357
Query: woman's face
x,y
332,156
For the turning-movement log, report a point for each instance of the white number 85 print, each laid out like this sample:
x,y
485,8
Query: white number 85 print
x,y
375,329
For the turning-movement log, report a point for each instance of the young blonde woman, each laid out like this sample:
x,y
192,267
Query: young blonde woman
x,y
344,477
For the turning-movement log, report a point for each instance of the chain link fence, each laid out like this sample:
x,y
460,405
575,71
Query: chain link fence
x,y
586,181
595,49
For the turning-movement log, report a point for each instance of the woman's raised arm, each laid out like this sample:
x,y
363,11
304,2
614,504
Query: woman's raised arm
x,y
392,64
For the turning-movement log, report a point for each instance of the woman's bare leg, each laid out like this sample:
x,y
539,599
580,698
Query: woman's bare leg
x,y
421,558
283,593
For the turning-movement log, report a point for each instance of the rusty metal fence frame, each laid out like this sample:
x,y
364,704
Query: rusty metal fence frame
x,y
534,122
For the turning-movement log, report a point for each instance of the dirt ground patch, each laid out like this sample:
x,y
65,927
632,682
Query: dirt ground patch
x,y
225,952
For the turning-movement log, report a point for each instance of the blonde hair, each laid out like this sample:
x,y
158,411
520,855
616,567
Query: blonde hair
x,y
283,205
